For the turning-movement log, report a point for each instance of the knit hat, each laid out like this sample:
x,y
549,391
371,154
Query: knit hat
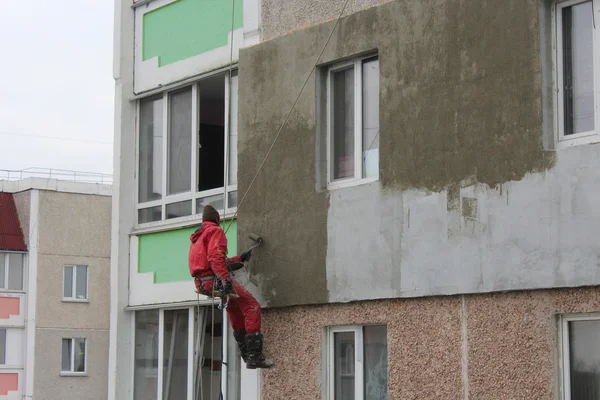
x,y
210,214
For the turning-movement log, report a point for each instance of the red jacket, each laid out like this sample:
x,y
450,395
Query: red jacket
x,y
208,252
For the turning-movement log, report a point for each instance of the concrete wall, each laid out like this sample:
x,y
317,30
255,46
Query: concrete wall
x,y
73,229
493,346
468,199
49,385
22,202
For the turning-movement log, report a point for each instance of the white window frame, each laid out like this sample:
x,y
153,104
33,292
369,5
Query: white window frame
x,y
192,195
74,298
565,354
358,125
358,359
72,361
564,141
4,255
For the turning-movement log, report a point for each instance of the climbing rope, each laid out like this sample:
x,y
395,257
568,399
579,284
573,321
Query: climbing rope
x,y
262,164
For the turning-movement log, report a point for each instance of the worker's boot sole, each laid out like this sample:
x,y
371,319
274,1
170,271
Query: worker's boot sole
x,y
260,364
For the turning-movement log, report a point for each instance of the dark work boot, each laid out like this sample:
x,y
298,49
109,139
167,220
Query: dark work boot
x,y
240,338
256,358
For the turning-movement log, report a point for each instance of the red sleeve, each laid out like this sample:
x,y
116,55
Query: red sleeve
x,y
217,252
234,259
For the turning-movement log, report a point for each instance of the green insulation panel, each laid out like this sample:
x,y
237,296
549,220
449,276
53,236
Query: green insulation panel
x,y
186,28
166,253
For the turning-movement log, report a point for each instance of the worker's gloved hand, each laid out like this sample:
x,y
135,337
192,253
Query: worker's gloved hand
x,y
245,256
226,286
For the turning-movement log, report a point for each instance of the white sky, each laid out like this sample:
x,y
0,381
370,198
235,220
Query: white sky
x,y
56,81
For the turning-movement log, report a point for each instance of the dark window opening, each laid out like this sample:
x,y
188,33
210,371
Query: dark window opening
x,y
211,136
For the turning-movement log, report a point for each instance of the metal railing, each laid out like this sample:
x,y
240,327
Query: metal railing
x,y
53,173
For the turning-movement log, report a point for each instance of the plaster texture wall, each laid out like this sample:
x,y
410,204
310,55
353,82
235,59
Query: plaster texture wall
x,y
23,204
49,385
468,199
52,312
74,224
496,346
280,17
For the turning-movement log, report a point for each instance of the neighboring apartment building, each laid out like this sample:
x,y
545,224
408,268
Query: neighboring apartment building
x,y
429,211
54,289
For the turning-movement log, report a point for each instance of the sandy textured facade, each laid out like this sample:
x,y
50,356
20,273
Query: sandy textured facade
x,y
512,342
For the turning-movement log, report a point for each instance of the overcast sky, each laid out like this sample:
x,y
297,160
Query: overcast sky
x,y
56,82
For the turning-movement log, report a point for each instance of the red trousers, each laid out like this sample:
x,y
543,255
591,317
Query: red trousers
x,y
244,312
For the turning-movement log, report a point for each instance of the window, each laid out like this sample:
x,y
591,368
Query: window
x,y
187,150
74,356
357,363
75,283
2,346
11,271
173,350
580,342
576,68
353,122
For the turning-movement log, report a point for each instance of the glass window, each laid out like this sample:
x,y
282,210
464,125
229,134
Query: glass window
x,y
151,149
75,278
343,124
3,261
73,355
179,142
344,365
578,68
211,141
370,119
175,363
151,214
146,355
15,271
180,209
584,359
375,355
233,133
2,346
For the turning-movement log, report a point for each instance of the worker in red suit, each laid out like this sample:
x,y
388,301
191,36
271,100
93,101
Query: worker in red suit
x,y
208,266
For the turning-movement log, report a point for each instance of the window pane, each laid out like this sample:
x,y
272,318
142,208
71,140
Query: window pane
x,y
81,282
578,68
375,353
146,355
68,282
344,365
180,209
79,352
233,199
15,271
175,358
2,270
180,142
151,149
2,346
343,124
216,201
151,214
584,349
211,151
233,133
370,120
66,355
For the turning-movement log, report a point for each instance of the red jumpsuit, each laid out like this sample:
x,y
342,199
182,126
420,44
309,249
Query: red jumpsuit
x,y
208,257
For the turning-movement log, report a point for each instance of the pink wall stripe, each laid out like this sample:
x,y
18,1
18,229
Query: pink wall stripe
x,y
8,382
9,306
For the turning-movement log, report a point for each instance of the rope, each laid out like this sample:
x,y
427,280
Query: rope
x,y
287,117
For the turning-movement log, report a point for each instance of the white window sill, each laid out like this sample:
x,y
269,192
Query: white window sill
x,y
350,183
577,140
11,291
176,223
73,374
67,300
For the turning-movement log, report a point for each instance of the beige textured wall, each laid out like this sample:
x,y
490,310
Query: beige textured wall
x,y
23,204
282,16
49,385
510,344
52,312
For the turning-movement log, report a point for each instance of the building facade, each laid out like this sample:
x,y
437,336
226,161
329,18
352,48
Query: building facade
x,y
54,319
424,175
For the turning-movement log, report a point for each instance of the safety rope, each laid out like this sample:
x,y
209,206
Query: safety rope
x,y
287,116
